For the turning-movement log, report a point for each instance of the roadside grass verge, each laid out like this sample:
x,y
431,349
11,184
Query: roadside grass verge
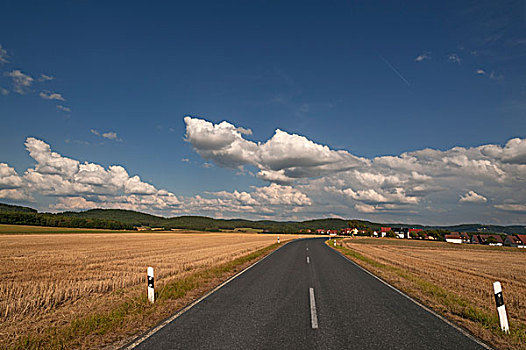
x,y
461,310
118,326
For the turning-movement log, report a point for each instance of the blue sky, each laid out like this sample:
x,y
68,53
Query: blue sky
x,y
112,83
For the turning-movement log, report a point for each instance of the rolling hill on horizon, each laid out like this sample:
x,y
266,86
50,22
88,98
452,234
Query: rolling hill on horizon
x,y
127,219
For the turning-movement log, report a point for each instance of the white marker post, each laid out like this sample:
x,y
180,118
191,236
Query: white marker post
x,y
335,243
501,308
278,239
151,293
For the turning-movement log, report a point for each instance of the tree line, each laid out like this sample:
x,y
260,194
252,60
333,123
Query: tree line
x,y
57,220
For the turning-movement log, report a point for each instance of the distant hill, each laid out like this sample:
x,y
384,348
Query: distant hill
x,y
486,228
17,215
127,219
15,208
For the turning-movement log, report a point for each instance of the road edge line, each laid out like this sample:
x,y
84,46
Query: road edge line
x,y
163,324
434,313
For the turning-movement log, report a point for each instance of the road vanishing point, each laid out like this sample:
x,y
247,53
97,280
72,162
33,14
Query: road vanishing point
x,y
305,295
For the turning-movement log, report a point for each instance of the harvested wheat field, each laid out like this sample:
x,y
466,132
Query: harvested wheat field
x,y
455,280
49,280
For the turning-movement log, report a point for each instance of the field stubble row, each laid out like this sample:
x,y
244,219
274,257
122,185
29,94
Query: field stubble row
x,y
463,270
49,280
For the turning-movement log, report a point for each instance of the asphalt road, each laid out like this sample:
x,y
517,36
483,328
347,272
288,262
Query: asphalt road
x,y
285,302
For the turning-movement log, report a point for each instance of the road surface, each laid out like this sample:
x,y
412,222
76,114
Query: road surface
x,y
307,296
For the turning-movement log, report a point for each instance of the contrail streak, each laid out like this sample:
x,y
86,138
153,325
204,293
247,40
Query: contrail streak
x,y
395,70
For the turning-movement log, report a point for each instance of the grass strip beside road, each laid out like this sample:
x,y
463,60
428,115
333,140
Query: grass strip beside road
x,y
120,325
454,307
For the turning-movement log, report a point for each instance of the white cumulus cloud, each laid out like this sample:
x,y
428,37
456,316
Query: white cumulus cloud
x,y
472,197
282,159
21,82
47,95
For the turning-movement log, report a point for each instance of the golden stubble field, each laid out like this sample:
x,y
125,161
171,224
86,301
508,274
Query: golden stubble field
x,y
50,279
464,270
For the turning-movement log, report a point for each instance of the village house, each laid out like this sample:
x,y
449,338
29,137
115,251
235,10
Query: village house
x,y
453,238
494,240
347,231
414,231
457,237
518,241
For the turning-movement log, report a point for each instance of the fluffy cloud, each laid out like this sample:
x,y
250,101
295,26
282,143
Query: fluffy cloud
x,y
305,180
47,95
86,185
8,177
12,185
472,197
426,183
273,194
21,81
76,185
282,159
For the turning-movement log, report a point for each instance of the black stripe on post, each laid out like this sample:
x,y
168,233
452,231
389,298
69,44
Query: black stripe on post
x,y
150,281
499,300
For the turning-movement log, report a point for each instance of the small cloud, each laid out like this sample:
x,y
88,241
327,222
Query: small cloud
x,y
4,91
365,208
3,55
21,81
207,165
472,197
424,56
80,142
44,77
185,160
63,108
495,76
52,96
511,207
111,135
454,58
244,131
492,75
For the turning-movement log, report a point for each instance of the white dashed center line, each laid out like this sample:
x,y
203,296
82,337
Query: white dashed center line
x,y
313,315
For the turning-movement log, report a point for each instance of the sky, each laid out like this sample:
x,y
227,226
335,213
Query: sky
x,y
399,111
